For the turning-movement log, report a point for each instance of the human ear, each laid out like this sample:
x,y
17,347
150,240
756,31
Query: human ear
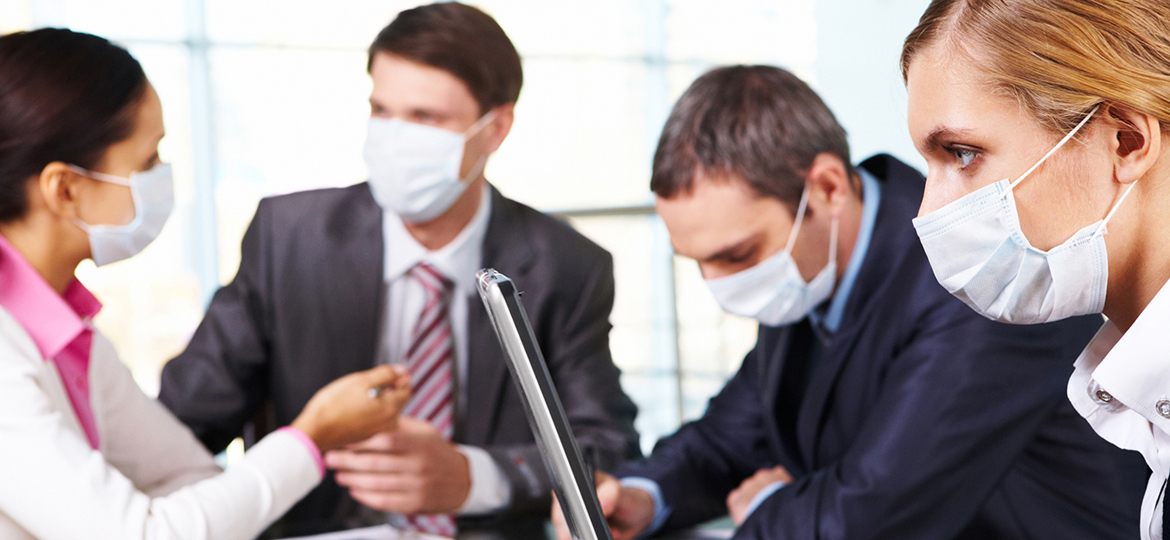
x,y
829,185
59,187
1135,142
501,126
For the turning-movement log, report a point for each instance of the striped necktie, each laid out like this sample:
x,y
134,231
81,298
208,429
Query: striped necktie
x,y
431,358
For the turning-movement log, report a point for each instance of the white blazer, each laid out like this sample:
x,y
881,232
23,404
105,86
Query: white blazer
x,y
150,478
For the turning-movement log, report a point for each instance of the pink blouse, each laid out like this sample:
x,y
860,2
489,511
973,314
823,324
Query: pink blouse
x,y
58,324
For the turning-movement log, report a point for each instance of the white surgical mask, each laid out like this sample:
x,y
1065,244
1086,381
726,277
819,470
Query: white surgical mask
x,y
414,168
773,291
154,197
979,253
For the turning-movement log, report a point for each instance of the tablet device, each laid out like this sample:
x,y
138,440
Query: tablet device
x,y
572,479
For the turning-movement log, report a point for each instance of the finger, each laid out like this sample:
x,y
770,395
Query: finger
x,y
381,482
344,460
380,442
558,520
383,375
407,424
608,491
387,501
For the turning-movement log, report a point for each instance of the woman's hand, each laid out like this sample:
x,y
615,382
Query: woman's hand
x,y
344,411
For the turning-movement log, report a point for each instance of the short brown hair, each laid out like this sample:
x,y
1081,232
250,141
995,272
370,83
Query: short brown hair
x,y
462,41
1058,58
760,123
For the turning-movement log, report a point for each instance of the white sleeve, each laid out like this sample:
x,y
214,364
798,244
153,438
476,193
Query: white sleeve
x,y
159,460
56,487
490,490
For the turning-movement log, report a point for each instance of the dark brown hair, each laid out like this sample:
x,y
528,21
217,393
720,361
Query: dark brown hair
x,y
64,96
462,41
759,123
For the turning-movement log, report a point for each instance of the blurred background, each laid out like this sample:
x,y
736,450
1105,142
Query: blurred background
x,y
263,97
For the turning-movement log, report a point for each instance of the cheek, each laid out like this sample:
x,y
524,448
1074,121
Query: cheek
x,y
942,189
473,151
114,206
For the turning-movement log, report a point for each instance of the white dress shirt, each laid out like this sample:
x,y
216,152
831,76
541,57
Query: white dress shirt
x,y
149,478
1121,385
457,261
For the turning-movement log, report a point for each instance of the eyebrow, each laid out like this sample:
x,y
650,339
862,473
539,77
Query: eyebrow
x,y
934,140
727,251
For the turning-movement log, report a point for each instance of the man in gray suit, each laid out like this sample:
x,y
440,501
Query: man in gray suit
x,y
333,281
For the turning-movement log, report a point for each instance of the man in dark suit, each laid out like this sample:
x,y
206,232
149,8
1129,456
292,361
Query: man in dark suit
x,y
874,405
336,280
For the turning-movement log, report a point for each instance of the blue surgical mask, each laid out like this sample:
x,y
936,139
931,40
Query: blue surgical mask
x,y
979,253
153,194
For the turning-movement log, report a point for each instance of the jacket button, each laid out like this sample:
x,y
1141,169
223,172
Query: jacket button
x,y
1163,408
1104,397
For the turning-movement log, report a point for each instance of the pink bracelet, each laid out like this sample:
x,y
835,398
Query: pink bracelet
x,y
309,444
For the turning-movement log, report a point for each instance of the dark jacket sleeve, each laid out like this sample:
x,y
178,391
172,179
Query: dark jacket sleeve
x,y
218,383
576,349
700,464
959,404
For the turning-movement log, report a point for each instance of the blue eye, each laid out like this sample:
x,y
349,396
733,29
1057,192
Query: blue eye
x,y
964,155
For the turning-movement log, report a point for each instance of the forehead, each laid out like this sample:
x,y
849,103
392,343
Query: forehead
x,y
715,214
948,92
399,81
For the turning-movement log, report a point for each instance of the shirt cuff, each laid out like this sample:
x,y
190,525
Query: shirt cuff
x,y
762,496
490,490
661,511
309,445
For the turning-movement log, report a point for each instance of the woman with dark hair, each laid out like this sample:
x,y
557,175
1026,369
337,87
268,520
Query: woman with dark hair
x,y
83,452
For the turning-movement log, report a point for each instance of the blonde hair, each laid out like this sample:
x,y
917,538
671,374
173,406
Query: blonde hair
x,y
1059,58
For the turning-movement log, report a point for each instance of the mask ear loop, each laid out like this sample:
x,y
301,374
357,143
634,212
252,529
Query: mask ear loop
x,y
100,177
480,124
471,132
799,220
1101,227
1054,149
833,242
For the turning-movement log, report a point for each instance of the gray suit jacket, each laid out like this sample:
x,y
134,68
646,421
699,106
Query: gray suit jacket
x,y
304,309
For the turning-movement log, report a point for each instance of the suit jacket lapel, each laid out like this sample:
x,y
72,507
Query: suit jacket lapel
x,y
777,342
821,385
355,284
890,239
504,248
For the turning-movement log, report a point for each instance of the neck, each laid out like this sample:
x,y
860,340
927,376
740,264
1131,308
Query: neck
x,y
43,251
848,229
442,230
1139,261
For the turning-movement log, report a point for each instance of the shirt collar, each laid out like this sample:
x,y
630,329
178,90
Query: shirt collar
x,y
1134,367
872,197
458,260
52,320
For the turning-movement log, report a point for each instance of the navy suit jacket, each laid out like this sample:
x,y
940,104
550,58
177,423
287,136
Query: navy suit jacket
x,y
919,419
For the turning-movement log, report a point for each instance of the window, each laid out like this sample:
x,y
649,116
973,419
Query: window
x,y
269,96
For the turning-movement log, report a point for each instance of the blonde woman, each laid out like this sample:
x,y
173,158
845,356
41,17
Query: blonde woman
x,y
83,453
1044,125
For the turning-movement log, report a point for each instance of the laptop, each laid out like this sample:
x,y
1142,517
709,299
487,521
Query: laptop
x,y
572,478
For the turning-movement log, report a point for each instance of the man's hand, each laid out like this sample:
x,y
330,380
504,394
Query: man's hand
x,y
411,470
739,500
628,510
